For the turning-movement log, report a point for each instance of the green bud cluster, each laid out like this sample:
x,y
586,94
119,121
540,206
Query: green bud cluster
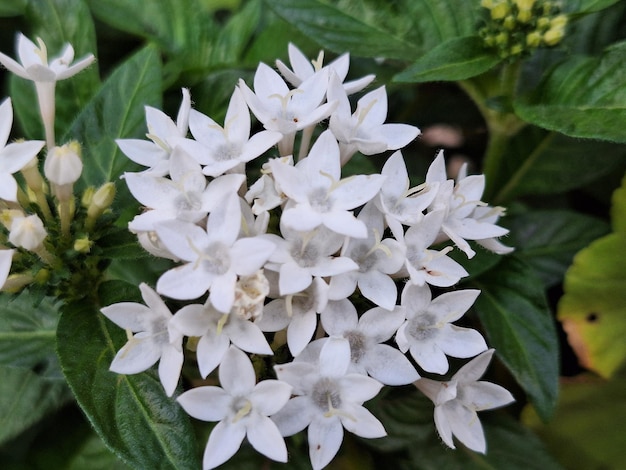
x,y
515,28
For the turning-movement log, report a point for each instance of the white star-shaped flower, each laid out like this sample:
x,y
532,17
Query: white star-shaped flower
x,y
163,133
223,149
428,333
217,331
365,130
320,196
242,407
365,335
155,338
457,401
328,399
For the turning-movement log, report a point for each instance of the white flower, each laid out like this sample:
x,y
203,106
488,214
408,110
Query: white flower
x,y
328,399
298,313
319,194
215,257
13,157
34,66
163,134
401,205
222,149
428,333
154,340
216,331
63,164
301,256
242,409
424,264
457,401
284,110
365,131
365,335
304,68
459,203
377,260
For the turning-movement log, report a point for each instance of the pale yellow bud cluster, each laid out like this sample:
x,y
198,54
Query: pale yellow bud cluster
x,y
517,27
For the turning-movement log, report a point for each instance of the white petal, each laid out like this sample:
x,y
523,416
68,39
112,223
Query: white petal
x,y
443,426
170,366
466,426
379,288
266,439
139,354
325,437
461,342
300,331
192,320
206,403
211,351
236,373
429,357
362,423
398,135
247,336
224,442
293,279
339,317
129,315
275,317
6,259
269,396
358,388
184,282
474,370
222,292
294,416
334,357
15,156
451,306
389,366
486,396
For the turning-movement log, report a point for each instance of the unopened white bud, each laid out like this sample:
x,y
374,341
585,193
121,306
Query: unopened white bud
x,y
27,232
63,164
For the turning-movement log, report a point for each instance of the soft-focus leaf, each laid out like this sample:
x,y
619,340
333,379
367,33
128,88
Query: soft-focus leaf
x,y
547,163
618,208
548,240
58,23
581,97
513,310
12,7
117,111
454,59
27,330
26,397
593,308
131,413
585,430
341,32
587,6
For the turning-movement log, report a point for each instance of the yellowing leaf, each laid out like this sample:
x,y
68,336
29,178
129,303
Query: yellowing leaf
x,y
593,308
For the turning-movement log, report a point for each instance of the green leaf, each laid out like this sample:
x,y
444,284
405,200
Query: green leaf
x,y
587,6
454,59
12,7
58,23
513,310
27,330
121,244
117,111
548,240
618,208
585,431
547,163
581,97
131,413
341,32
25,398
593,305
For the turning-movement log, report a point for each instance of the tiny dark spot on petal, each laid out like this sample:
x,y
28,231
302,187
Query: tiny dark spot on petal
x,y
318,447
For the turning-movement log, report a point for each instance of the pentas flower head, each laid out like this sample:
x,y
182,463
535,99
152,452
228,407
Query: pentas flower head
x,y
457,401
242,408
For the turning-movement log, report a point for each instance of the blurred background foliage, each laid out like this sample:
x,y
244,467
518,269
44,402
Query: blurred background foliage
x,y
547,128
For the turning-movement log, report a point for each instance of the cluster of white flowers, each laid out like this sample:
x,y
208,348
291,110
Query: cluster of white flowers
x,y
331,238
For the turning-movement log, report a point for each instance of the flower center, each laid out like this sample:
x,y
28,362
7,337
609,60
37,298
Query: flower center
x,y
423,327
358,344
326,394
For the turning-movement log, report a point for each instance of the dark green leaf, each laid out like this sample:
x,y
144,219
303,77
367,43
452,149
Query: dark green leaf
x,y
548,240
131,413
341,32
117,111
587,6
27,330
121,244
26,397
58,23
581,97
547,163
513,310
454,59
592,33
12,7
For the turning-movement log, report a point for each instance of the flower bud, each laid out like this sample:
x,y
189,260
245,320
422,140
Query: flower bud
x,y
103,197
553,36
63,164
500,10
83,245
533,39
27,232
